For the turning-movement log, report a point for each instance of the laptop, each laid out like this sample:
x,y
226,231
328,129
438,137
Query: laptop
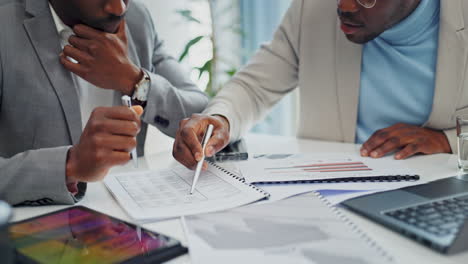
x,y
433,214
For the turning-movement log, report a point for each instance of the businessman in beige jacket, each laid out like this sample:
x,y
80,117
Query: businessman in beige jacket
x,y
326,58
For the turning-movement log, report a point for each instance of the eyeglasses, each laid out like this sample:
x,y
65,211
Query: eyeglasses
x,y
367,3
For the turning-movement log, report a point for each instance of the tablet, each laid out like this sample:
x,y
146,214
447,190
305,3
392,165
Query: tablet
x,y
81,235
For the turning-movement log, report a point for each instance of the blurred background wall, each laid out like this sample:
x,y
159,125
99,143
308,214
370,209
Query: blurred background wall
x,y
217,38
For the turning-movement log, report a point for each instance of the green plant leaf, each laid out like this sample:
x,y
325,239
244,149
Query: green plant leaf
x,y
231,72
188,46
187,14
205,68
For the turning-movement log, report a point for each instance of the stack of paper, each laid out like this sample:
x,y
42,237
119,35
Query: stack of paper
x,y
298,230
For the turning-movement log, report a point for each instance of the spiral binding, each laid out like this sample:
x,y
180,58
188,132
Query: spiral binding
x,y
386,178
355,228
267,195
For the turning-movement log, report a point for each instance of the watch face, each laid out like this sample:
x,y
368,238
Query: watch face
x,y
141,92
145,87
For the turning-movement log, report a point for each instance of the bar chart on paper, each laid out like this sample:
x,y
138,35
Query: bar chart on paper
x,y
314,167
341,166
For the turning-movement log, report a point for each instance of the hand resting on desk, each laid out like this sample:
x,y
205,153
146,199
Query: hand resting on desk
x,y
187,146
408,140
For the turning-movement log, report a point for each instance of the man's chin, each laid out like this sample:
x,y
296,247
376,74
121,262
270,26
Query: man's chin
x,y
359,38
107,27
355,39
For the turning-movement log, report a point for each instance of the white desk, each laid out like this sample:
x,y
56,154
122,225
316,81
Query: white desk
x,y
402,249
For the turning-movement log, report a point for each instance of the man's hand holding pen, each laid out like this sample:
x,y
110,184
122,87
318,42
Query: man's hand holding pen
x,y
187,146
106,141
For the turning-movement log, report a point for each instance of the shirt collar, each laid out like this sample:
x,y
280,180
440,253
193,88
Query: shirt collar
x,y
61,27
412,28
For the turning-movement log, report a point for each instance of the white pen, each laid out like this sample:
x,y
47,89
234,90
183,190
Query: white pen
x,y
205,140
127,101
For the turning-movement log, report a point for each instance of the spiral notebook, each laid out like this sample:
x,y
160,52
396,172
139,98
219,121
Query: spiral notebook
x,y
303,229
155,195
323,168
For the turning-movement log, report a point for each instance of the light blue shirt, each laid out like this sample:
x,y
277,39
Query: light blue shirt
x,y
398,73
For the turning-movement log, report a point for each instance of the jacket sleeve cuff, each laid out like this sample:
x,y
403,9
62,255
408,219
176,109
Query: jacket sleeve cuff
x,y
234,133
451,135
41,178
57,184
161,109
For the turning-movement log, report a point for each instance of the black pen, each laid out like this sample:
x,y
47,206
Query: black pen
x,y
233,156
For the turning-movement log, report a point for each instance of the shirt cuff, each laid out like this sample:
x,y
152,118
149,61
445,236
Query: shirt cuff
x,y
73,188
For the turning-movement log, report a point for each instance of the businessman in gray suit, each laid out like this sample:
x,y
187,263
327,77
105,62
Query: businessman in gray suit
x,y
64,66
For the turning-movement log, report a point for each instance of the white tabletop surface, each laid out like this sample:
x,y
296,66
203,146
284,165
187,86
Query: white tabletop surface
x,y
402,249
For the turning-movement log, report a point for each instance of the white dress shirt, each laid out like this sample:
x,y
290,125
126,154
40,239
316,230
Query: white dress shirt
x,y
89,95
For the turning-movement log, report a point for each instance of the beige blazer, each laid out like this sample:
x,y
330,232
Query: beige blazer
x,y
309,51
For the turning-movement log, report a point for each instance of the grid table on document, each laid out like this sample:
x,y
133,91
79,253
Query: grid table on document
x,y
172,187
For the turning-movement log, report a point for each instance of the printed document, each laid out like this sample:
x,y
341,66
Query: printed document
x,y
319,167
351,189
154,195
297,230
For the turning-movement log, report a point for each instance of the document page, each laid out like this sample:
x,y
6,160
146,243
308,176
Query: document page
x,y
297,230
353,189
153,195
318,167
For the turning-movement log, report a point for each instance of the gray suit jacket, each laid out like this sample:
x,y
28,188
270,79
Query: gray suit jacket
x,y
39,109
310,51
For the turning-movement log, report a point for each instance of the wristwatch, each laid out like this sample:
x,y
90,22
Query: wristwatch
x,y
140,94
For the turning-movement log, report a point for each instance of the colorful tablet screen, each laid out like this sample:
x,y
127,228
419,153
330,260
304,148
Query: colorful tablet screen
x,y
80,235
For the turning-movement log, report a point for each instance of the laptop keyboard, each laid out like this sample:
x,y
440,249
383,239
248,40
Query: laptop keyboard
x,y
440,218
